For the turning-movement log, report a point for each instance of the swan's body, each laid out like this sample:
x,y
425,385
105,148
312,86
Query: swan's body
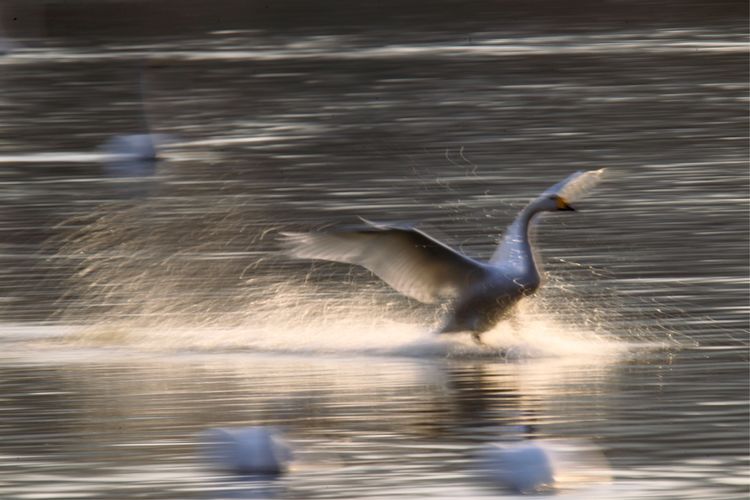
x,y
134,155
247,450
528,466
480,294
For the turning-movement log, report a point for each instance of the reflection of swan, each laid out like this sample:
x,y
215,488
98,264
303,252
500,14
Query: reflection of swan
x,y
480,293
247,450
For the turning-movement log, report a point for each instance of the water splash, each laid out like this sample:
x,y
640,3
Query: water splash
x,y
205,274
305,324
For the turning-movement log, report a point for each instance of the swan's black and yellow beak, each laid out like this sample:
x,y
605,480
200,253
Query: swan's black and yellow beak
x,y
563,205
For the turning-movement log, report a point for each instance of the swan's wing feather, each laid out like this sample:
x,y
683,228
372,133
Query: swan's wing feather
x,y
407,259
576,184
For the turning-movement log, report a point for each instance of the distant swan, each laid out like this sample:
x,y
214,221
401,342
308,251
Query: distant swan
x,y
247,450
480,294
135,155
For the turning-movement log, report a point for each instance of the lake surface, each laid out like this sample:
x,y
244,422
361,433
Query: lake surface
x,y
142,306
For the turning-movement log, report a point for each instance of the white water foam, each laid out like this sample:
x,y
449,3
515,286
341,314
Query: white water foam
x,y
535,336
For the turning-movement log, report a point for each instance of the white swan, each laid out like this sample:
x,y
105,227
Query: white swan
x,y
543,465
480,294
247,450
136,155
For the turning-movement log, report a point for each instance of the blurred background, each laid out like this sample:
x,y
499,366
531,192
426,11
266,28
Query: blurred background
x,y
151,151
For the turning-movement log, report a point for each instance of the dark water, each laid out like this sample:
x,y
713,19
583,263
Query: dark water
x,y
137,312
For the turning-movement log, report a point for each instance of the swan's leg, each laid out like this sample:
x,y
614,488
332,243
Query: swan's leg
x,y
451,325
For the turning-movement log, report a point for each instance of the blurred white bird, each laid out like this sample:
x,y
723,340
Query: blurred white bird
x,y
480,294
135,155
524,467
247,450
540,465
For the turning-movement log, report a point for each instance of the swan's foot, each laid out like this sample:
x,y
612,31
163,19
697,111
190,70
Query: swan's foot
x,y
475,336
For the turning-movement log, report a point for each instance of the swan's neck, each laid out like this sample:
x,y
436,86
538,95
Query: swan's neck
x,y
515,252
525,221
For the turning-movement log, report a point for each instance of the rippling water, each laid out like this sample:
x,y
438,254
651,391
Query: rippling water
x,y
139,311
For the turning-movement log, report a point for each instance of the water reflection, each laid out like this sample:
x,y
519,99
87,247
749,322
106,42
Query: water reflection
x,y
352,419
421,418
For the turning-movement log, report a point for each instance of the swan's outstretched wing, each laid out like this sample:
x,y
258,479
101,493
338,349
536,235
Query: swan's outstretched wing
x,y
575,185
407,259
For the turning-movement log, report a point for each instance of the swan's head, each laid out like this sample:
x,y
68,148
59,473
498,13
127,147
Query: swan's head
x,y
554,203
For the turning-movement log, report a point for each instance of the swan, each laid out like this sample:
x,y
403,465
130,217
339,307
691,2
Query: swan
x,y
247,450
479,294
543,465
136,155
